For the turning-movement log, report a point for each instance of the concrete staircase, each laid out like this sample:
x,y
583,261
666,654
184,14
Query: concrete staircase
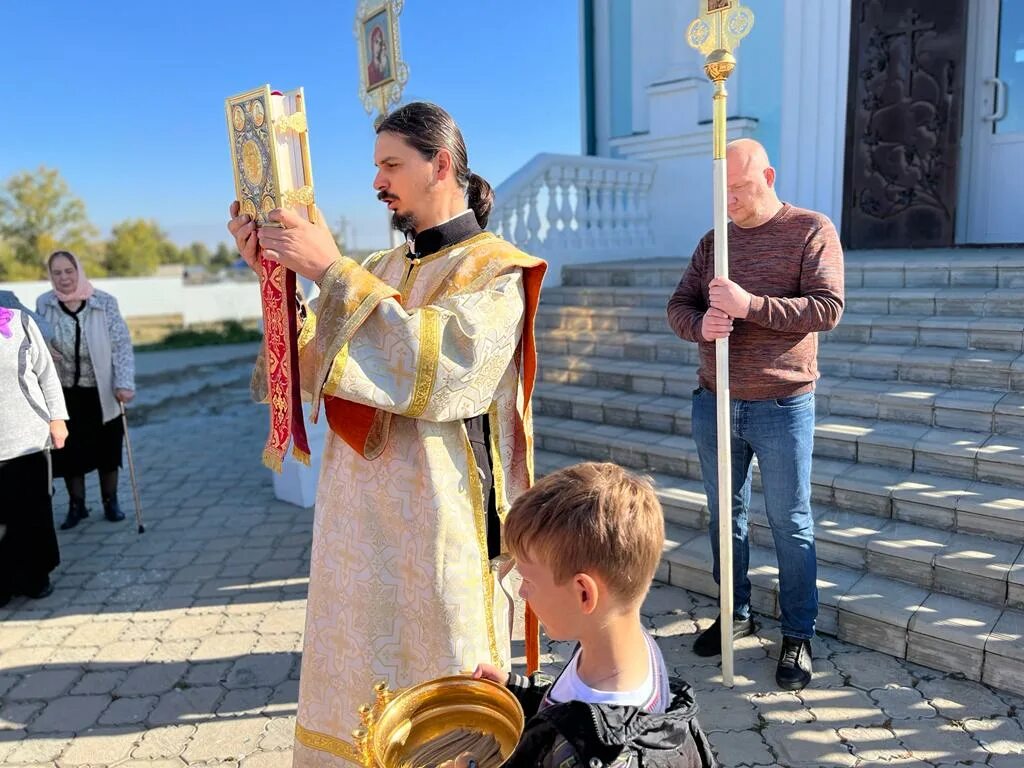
x,y
918,483
180,382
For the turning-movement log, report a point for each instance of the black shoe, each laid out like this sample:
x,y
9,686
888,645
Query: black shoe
x,y
794,670
76,513
709,643
111,509
45,591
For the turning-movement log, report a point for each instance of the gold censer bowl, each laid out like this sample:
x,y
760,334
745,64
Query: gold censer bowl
x,y
401,722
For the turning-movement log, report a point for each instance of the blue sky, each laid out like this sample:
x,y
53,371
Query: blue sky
x,y
126,98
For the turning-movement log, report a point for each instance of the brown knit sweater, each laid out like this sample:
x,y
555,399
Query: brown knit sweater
x,y
793,266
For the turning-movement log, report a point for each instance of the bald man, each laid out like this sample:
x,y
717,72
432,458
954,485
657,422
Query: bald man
x,y
785,285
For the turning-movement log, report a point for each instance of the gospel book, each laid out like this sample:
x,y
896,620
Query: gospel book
x,y
270,152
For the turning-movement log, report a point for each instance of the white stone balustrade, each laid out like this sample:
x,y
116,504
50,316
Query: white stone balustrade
x,y
569,209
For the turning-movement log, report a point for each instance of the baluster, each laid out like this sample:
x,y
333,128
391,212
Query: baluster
x,y
508,216
522,236
644,210
584,207
508,212
605,212
553,179
619,220
629,198
533,218
570,230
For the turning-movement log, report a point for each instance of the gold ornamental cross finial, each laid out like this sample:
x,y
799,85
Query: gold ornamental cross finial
x,y
720,26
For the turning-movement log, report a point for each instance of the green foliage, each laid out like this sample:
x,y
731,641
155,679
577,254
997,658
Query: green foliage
x,y
197,253
223,257
38,215
230,332
138,247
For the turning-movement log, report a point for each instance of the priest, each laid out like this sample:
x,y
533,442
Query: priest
x,y
424,360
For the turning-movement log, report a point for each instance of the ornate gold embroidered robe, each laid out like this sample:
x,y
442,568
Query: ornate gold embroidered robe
x,y
400,590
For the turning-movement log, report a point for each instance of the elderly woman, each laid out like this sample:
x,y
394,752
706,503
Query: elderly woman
x,y
32,416
97,371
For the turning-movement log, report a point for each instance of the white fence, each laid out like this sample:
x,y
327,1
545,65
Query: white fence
x,y
571,208
155,296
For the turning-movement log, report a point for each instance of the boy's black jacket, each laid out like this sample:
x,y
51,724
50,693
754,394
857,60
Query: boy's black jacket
x,y
604,735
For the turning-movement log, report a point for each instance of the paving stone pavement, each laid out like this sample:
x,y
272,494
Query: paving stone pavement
x,y
181,646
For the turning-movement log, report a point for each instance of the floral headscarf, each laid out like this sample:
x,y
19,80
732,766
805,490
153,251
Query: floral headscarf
x,y
84,289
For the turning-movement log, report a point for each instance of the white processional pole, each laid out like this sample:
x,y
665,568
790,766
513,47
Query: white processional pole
x,y
715,33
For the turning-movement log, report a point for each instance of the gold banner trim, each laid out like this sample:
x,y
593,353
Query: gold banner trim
x,y
426,364
325,743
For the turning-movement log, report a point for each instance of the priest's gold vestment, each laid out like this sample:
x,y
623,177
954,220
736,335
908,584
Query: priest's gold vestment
x,y
401,352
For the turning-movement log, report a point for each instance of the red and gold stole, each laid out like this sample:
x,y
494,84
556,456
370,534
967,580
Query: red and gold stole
x,y
281,350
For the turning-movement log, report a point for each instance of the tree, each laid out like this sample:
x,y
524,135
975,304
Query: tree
x,y
223,257
138,247
38,215
197,253
8,266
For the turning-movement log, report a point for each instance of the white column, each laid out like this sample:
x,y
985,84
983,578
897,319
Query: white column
x,y
815,68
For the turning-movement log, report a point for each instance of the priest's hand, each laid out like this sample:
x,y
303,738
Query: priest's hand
x,y
306,249
727,296
243,229
715,325
490,672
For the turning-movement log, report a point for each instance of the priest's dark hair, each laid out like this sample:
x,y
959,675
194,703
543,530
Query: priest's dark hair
x,y
429,129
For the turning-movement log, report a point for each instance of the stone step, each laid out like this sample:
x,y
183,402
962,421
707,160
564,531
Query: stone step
x,y
627,391
913,447
654,273
961,267
935,501
953,302
974,369
964,565
926,626
193,377
945,332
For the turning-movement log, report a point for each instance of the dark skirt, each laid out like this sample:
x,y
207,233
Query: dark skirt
x,y
91,444
28,549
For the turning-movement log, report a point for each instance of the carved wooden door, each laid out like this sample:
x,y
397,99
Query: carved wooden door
x,y
903,123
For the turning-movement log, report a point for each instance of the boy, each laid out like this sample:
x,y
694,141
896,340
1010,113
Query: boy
x,y
587,540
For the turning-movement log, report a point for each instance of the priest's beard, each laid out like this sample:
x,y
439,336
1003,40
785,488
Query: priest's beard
x,y
404,223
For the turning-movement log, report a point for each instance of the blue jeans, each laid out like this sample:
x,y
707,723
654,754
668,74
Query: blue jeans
x,y
781,434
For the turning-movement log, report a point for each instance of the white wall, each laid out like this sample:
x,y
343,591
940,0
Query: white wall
x,y
221,301
149,296
793,76
814,93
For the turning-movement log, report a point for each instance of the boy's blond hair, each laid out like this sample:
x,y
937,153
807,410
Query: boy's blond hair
x,y
591,518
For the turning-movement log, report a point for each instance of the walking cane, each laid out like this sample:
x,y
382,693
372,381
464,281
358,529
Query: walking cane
x,y
715,32
131,471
